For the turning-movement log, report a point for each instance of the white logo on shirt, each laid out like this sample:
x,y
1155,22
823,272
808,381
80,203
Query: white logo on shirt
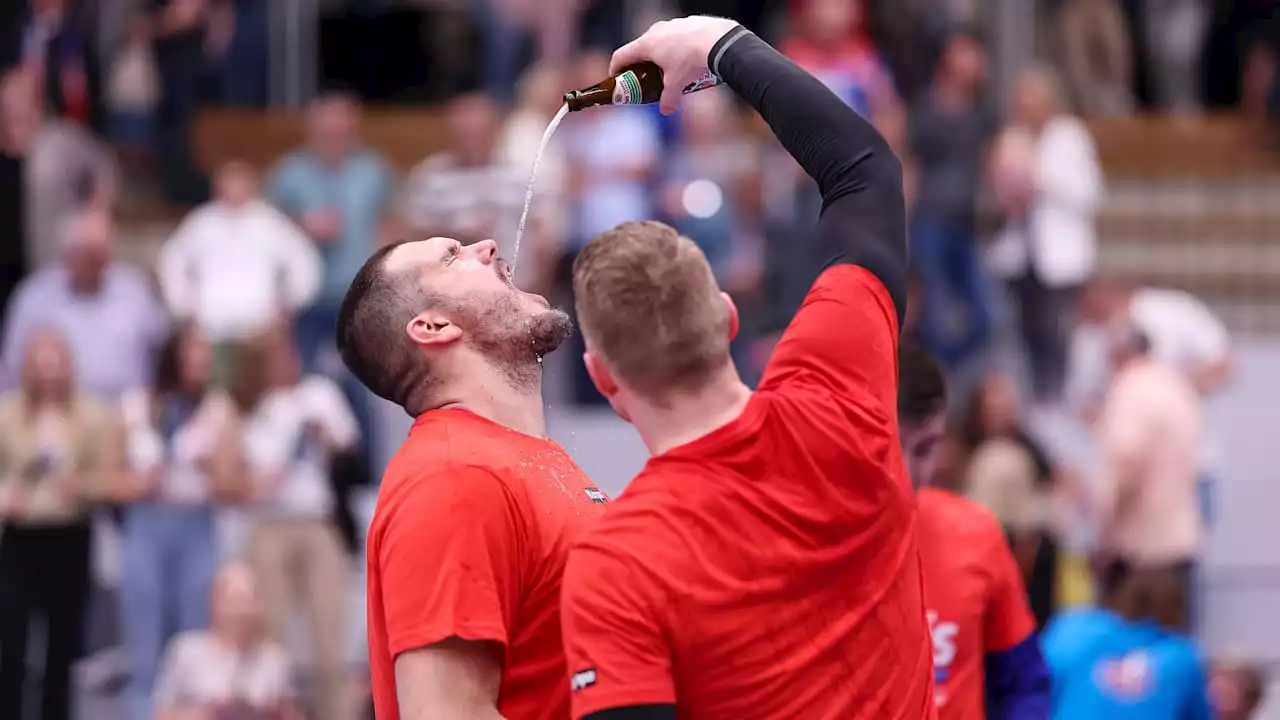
x,y
582,680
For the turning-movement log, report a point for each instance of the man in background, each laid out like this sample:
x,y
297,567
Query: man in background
x,y
986,659
1184,334
1146,506
104,308
949,130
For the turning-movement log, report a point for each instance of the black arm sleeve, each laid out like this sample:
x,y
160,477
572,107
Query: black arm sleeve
x,y
636,712
863,211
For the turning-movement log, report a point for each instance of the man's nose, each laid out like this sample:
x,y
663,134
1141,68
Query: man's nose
x,y
486,250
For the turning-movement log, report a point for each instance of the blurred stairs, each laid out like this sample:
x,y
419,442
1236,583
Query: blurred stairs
x,y
1195,204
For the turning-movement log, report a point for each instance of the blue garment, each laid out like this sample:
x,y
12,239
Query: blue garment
x,y
1018,683
168,559
950,266
1105,667
359,190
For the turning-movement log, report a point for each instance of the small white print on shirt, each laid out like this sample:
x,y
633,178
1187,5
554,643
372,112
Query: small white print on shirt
x,y
582,680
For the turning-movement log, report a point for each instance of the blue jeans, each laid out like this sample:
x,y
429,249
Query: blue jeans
x,y
950,266
168,559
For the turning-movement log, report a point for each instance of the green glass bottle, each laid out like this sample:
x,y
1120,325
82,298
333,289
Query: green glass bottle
x,y
639,84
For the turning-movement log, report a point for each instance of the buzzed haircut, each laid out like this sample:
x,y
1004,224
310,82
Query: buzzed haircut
x,y
648,303
922,387
371,332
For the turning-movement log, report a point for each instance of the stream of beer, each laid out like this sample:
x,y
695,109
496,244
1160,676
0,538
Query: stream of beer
x,y
533,177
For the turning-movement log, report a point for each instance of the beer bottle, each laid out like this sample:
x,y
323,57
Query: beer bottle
x,y
638,84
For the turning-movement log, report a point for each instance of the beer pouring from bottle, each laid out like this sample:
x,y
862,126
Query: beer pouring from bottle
x,y
639,84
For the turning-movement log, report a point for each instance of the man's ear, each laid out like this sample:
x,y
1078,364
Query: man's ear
x,y
600,374
432,329
602,377
733,316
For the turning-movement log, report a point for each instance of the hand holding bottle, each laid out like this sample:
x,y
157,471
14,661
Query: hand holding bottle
x,y
679,47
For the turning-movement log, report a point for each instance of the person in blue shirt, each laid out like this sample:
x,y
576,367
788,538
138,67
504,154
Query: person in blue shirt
x,y
1125,660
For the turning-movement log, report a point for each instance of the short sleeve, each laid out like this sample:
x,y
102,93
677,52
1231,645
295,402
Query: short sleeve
x,y
615,639
449,550
1008,620
331,409
172,682
843,341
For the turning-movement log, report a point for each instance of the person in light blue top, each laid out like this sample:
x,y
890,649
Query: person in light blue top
x,y
1125,661
339,192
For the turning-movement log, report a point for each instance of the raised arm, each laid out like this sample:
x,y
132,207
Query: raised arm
x,y
863,212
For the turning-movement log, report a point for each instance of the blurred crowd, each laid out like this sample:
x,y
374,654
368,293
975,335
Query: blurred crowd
x,y
194,412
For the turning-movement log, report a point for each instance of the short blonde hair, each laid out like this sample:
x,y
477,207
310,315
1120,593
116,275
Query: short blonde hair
x,y
648,303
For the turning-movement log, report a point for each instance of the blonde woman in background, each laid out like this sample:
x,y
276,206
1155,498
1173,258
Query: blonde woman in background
x,y
52,459
295,425
232,670
179,442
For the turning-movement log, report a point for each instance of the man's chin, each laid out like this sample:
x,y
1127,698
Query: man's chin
x,y
548,329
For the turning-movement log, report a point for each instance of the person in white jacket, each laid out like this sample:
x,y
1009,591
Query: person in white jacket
x,y
236,265
1049,185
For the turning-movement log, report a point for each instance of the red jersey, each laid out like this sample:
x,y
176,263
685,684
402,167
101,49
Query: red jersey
x,y
769,569
976,601
473,526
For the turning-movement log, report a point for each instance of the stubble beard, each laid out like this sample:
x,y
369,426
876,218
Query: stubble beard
x,y
516,339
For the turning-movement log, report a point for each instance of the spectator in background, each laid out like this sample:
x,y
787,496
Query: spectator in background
x,y
179,449
178,30
295,426
613,157
518,143
465,191
133,90
236,265
1175,35
1145,503
710,193
1097,57
63,167
59,46
709,186
831,42
339,191
52,463
231,670
105,309
1128,658
950,128
1049,186
1236,689
1010,472
1184,334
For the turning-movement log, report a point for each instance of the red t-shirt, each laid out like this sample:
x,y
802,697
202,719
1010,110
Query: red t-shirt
x,y
473,526
977,604
768,569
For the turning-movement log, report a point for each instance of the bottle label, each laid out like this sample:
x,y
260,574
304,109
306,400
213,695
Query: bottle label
x,y
626,90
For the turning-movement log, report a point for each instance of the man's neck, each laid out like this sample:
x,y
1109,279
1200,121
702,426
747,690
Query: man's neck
x,y
494,397
689,416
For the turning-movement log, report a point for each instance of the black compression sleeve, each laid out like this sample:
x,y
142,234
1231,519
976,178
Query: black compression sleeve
x,y
863,212
636,712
